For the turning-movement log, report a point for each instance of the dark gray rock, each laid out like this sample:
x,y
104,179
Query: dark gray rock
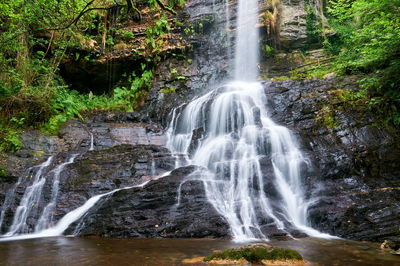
x,y
37,144
201,68
356,162
181,210
92,173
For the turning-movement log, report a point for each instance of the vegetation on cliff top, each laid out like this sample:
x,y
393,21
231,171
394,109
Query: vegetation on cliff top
x,y
365,40
37,36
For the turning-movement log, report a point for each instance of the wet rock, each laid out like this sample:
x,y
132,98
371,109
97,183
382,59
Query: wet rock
x,y
391,246
104,170
111,129
200,69
37,144
92,173
74,133
197,135
355,164
181,210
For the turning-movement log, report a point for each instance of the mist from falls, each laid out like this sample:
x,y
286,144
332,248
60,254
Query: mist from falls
x,y
228,132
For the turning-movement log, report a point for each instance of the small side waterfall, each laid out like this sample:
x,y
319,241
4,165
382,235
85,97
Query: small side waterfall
x,y
91,148
30,200
46,219
68,219
228,132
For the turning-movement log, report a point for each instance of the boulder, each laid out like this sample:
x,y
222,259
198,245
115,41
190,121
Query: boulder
x,y
172,206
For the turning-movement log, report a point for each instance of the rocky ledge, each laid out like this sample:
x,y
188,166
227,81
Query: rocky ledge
x,y
355,173
174,206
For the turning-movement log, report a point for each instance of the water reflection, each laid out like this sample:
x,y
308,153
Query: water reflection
x,y
95,251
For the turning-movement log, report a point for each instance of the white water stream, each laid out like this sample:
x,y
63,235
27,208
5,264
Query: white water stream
x,y
68,219
46,219
30,200
91,142
228,131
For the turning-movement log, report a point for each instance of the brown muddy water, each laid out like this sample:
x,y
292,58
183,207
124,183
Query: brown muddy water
x,y
97,251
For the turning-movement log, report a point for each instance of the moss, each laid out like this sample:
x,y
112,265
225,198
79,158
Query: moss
x,y
255,254
3,174
6,176
326,117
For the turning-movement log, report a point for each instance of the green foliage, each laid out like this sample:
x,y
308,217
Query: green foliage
x,y
125,35
132,95
155,33
68,104
168,90
327,117
314,28
3,173
268,51
176,3
36,36
367,42
10,141
255,255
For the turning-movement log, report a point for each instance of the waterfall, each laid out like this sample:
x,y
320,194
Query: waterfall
x,y
69,218
32,197
10,196
229,133
30,200
247,36
45,227
46,219
91,148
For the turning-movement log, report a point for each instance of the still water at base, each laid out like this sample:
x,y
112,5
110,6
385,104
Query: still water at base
x,y
97,251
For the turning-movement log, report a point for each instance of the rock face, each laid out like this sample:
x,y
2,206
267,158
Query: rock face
x,y
178,80
92,173
356,162
293,25
173,206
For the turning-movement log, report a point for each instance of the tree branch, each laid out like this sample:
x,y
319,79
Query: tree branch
x,y
170,10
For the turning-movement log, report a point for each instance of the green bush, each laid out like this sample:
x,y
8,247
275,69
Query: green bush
x,y
11,141
367,42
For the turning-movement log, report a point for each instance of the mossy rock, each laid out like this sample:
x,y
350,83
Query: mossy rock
x,y
255,253
5,176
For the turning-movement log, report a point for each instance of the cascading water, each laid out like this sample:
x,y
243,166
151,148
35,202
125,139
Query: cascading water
x,y
30,201
32,197
228,132
46,219
69,218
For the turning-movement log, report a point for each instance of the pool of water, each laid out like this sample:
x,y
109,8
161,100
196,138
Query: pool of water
x,y
97,251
